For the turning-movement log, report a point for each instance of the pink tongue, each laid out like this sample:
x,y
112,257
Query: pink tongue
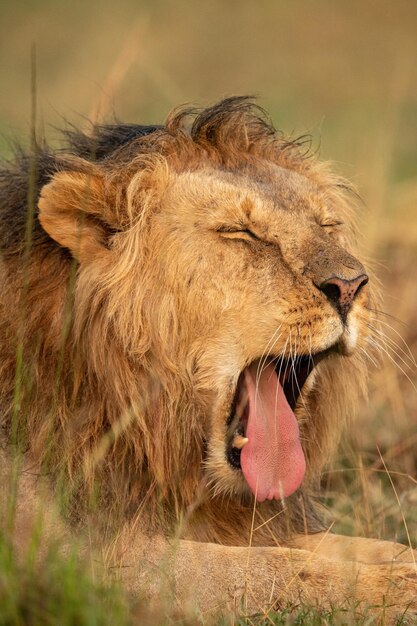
x,y
272,461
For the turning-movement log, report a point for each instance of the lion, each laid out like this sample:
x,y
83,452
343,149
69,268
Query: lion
x,y
183,335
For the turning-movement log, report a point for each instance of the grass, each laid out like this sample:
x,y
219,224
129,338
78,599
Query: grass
x,y
60,592
343,71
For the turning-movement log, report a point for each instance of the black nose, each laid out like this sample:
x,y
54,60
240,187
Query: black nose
x,y
342,292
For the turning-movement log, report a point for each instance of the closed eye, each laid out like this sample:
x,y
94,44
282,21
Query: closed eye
x,y
331,224
232,232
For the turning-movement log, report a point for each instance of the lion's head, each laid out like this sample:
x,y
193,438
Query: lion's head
x,y
210,338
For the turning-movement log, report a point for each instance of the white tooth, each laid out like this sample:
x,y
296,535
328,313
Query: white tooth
x,y
239,441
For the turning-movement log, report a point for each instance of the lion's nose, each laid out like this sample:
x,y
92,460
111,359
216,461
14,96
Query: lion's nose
x,y
342,292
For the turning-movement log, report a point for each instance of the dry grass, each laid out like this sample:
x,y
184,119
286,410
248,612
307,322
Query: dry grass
x,y
344,71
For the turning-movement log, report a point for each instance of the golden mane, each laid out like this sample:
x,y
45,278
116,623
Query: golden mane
x,y
96,375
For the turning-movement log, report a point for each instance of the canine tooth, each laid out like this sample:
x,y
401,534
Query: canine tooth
x,y
239,441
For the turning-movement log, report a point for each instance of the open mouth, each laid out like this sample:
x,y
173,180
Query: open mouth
x,y
264,435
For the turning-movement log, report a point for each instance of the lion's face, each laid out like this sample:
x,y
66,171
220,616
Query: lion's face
x,y
261,277
220,275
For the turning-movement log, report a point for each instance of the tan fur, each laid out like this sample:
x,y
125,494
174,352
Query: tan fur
x,y
132,356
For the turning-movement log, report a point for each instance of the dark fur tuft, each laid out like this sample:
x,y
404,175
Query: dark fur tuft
x,y
20,183
104,139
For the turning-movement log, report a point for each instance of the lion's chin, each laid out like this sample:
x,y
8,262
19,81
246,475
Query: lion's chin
x,y
263,436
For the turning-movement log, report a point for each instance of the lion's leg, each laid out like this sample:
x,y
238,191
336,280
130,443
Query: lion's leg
x,y
340,548
219,578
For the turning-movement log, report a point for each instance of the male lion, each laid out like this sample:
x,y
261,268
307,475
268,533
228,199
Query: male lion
x,y
182,334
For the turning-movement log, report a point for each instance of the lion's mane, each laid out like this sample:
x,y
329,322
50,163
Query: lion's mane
x,y
92,378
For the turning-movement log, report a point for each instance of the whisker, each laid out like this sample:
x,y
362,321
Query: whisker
x,y
408,350
262,361
391,345
374,363
376,344
310,350
282,357
379,312
292,361
283,351
293,366
300,395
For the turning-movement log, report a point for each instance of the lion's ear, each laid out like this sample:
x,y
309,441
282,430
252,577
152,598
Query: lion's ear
x,y
72,210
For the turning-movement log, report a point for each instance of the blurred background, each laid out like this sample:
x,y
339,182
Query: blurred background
x,y
344,71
